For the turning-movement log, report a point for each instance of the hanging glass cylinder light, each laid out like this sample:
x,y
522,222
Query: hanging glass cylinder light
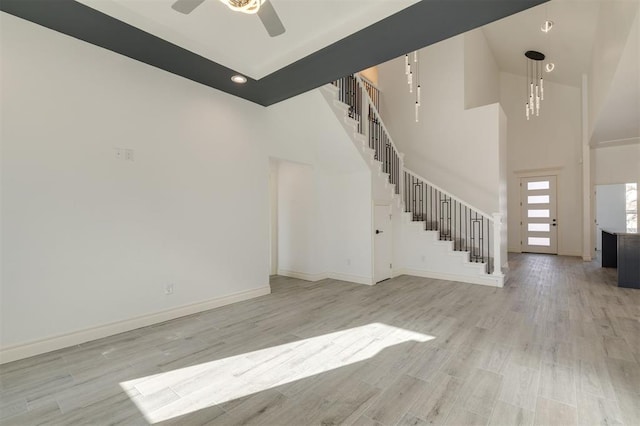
x,y
413,78
416,61
535,83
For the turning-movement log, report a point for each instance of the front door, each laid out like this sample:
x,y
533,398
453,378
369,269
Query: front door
x,y
383,252
539,226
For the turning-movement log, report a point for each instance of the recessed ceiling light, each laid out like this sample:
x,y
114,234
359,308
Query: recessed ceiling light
x,y
240,79
549,67
546,27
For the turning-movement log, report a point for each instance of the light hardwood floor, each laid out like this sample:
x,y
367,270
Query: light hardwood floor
x,y
559,345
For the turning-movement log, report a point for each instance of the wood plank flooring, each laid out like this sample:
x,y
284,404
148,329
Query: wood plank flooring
x,y
559,345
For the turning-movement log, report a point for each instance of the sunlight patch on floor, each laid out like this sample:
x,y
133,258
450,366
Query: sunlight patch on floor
x,y
193,388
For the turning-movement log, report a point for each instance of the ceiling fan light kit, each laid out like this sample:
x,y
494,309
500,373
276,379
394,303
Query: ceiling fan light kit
x,y
244,6
263,8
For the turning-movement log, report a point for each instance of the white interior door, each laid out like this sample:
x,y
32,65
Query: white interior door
x,y
539,226
611,212
383,254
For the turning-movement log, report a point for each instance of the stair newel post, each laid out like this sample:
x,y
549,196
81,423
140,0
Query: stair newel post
x,y
497,244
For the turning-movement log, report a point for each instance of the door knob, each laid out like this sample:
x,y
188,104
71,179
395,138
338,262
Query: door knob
x,y
379,231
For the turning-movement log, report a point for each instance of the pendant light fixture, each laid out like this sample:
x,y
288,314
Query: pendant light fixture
x,y
411,69
535,83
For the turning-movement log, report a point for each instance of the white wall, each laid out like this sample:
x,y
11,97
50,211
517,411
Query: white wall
x,y
88,239
481,73
617,164
614,22
305,130
611,209
298,217
349,226
324,223
456,149
545,145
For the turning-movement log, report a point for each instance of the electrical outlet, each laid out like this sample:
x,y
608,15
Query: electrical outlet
x,y
423,258
119,153
168,289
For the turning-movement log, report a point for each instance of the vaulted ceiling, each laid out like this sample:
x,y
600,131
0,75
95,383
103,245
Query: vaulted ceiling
x,y
568,45
324,40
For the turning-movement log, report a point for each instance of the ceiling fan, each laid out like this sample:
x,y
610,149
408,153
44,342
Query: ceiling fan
x,y
263,8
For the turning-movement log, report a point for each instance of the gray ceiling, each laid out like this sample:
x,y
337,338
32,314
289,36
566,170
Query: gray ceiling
x,y
417,26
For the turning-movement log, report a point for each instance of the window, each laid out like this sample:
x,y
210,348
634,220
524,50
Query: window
x,y
632,207
539,241
538,199
538,213
538,227
543,184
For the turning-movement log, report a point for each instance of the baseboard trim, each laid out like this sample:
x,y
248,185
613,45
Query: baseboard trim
x,y
488,280
571,254
302,275
26,350
358,279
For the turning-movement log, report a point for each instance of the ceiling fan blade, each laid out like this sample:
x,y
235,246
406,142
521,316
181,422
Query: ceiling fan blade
x,y
270,19
186,6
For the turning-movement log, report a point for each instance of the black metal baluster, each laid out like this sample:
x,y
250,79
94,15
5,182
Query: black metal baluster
x,y
393,170
377,140
481,240
459,207
430,208
398,171
470,237
449,218
406,194
359,100
413,189
455,228
441,224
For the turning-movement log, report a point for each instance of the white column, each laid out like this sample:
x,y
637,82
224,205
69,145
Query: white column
x,y
497,245
587,221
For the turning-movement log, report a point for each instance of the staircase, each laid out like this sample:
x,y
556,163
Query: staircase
x,y
461,238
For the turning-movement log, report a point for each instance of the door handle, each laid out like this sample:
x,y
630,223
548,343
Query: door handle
x,y
379,231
